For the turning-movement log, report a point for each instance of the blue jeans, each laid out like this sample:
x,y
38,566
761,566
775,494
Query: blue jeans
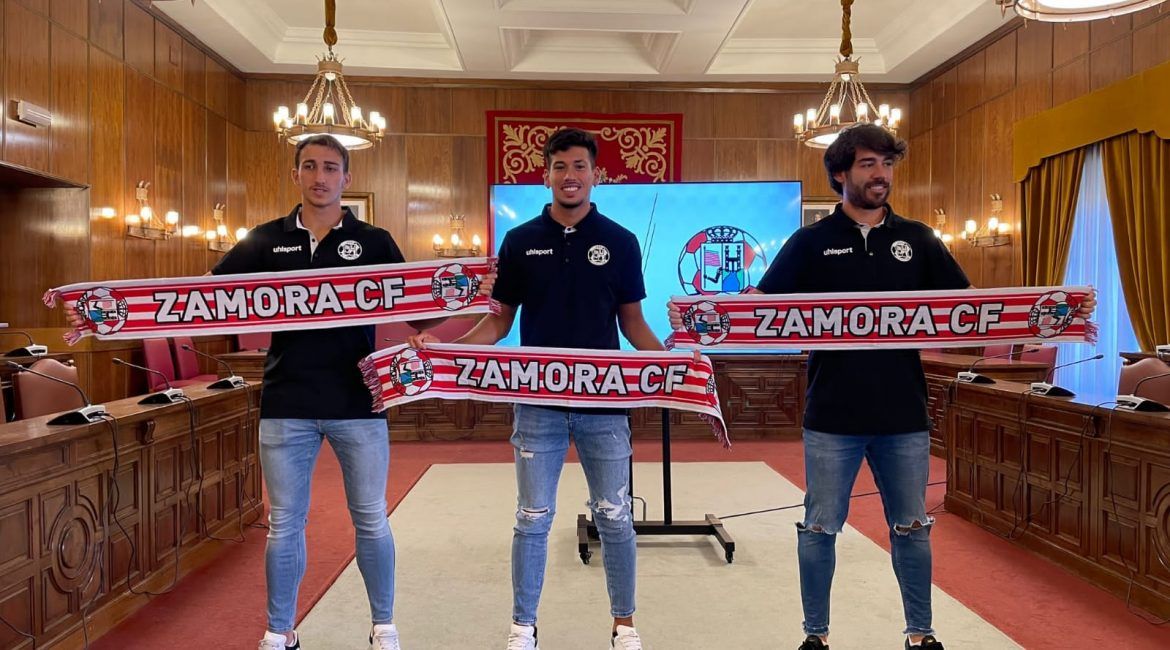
x,y
288,452
901,465
541,439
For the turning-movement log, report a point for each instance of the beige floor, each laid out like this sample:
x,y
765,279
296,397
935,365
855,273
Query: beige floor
x,y
453,535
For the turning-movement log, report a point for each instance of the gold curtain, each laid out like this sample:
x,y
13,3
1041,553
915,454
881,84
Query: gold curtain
x,y
1137,183
1049,199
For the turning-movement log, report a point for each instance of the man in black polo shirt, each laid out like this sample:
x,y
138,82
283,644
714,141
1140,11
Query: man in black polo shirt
x,y
313,390
577,276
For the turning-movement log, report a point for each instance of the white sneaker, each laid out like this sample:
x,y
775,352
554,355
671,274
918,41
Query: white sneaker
x,y
273,641
625,638
522,637
384,637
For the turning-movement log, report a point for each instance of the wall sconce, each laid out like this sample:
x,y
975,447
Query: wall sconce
x,y
219,239
144,225
940,222
994,233
458,247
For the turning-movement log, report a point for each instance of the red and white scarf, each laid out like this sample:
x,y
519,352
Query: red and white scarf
x,y
894,319
545,377
265,302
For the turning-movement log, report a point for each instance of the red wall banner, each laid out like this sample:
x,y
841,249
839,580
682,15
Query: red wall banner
x,y
632,148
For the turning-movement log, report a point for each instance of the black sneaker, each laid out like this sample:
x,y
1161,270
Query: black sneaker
x,y
813,642
928,643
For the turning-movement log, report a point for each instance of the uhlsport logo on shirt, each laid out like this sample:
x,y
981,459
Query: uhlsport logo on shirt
x,y
598,255
349,250
287,249
901,251
838,251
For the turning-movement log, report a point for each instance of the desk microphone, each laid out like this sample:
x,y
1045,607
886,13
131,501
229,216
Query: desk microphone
x,y
231,381
84,415
1132,402
1162,352
970,377
1046,388
168,396
30,350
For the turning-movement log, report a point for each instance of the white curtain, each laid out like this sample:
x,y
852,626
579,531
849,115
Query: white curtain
x,y
1093,260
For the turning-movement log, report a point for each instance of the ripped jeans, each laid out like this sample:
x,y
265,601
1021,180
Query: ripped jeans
x,y
901,465
541,439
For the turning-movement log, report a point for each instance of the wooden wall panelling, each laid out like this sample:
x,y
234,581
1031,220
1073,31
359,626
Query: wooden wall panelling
x,y
26,44
382,171
1151,43
469,187
1111,63
389,101
1033,69
216,188
1103,32
920,108
168,56
236,213
1001,67
999,263
428,110
72,15
913,197
194,208
1070,80
167,191
236,100
1069,41
139,38
428,191
468,108
698,159
971,81
943,90
698,111
215,95
139,114
105,25
262,97
777,160
735,117
736,160
69,133
194,73
51,226
265,169
969,200
942,169
107,88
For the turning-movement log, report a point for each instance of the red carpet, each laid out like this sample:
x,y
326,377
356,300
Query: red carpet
x,y
1037,603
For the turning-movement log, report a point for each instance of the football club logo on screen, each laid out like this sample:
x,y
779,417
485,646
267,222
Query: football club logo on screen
x,y
720,259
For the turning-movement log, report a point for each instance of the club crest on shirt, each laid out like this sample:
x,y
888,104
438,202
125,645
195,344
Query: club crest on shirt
x,y
1051,314
411,372
104,308
453,287
349,250
707,320
598,255
901,251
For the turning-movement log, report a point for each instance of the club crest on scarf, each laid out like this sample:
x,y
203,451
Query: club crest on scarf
x,y
1052,313
411,371
454,287
105,309
709,321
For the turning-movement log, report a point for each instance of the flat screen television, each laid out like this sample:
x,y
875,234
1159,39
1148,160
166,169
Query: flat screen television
x,y
696,238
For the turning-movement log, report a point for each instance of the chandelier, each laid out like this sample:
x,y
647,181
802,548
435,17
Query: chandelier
x,y
846,103
328,107
1066,11
459,245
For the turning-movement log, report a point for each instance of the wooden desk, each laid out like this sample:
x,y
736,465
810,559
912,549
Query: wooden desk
x,y
1085,486
6,378
56,497
941,368
248,364
762,397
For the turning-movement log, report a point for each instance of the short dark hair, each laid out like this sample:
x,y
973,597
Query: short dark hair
x,y
567,138
840,155
324,140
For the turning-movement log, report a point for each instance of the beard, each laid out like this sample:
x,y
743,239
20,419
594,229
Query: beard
x,y
860,195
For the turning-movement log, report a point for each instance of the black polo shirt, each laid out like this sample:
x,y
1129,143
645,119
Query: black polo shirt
x,y
864,391
569,282
313,374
